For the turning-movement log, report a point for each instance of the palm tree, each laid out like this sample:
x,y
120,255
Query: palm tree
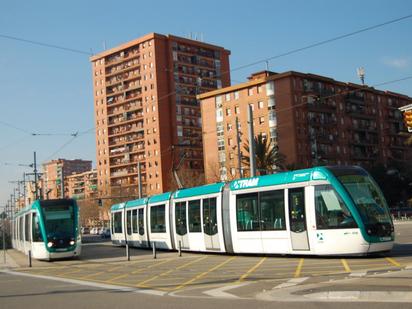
x,y
268,157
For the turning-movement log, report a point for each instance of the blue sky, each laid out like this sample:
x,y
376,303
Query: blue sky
x,y
47,90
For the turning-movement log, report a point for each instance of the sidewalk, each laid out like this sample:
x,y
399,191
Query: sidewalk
x,y
10,261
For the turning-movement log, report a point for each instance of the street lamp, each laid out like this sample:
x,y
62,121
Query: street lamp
x,y
361,74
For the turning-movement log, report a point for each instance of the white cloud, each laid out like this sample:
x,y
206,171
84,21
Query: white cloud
x,y
397,63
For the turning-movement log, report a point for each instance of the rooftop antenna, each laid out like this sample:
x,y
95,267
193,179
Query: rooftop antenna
x,y
361,74
104,45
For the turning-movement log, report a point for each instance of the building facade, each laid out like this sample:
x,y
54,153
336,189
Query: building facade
x,y
54,173
314,120
81,185
146,110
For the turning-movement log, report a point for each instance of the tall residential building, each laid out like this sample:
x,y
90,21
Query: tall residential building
x,y
54,173
146,110
313,119
81,185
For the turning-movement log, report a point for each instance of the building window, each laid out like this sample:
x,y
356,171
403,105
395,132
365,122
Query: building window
x,y
261,120
228,112
250,91
227,96
237,110
236,95
260,104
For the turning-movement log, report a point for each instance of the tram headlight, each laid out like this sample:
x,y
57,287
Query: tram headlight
x,y
49,244
72,242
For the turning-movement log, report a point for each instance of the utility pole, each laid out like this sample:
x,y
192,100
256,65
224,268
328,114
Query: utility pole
x,y
36,193
252,158
239,153
139,179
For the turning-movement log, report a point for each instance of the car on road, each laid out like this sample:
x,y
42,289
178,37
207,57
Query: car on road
x,y
105,233
85,230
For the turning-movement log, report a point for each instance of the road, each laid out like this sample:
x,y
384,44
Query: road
x,y
218,280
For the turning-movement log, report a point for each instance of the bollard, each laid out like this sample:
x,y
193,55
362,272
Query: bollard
x,y
180,248
128,252
154,250
29,258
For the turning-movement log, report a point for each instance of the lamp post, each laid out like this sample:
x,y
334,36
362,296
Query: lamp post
x,y
361,73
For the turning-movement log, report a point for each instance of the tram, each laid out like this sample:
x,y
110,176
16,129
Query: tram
x,y
48,228
317,211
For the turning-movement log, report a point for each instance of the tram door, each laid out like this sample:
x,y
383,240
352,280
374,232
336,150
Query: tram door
x,y
181,225
297,219
210,227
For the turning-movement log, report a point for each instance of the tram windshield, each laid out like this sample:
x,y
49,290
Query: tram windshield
x,y
59,220
367,197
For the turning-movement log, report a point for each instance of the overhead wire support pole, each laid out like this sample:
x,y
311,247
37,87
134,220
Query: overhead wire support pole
x,y
239,153
252,158
36,194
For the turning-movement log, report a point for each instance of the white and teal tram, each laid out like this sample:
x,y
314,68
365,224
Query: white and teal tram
x,y
317,211
48,228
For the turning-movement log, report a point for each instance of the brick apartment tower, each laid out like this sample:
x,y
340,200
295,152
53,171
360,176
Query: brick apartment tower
x,y
315,120
146,110
81,185
55,172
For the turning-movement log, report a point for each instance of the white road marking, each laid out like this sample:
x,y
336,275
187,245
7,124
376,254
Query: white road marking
x,y
291,282
366,296
358,274
88,283
221,292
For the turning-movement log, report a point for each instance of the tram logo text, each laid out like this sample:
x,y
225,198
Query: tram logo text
x,y
246,183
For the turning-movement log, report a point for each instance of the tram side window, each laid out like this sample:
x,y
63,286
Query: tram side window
x,y
247,212
157,219
27,230
331,212
117,222
134,221
21,227
194,217
141,221
129,222
272,210
35,226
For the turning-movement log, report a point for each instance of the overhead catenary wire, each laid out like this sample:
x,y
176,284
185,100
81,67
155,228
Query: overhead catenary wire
x,y
72,50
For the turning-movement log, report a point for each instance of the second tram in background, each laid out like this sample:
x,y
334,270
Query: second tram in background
x,y
318,211
48,228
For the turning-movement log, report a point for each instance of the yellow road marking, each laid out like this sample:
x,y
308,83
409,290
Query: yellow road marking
x,y
393,262
201,275
118,277
156,264
70,272
143,283
346,265
93,275
251,270
299,268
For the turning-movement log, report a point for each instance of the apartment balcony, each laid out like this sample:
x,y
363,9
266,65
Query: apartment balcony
x,y
130,107
121,99
125,140
121,151
322,107
122,163
128,173
127,56
126,119
121,68
114,90
323,122
355,98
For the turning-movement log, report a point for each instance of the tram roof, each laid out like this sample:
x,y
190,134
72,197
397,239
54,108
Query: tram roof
x,y
203,190
316,173
118,206
160,198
